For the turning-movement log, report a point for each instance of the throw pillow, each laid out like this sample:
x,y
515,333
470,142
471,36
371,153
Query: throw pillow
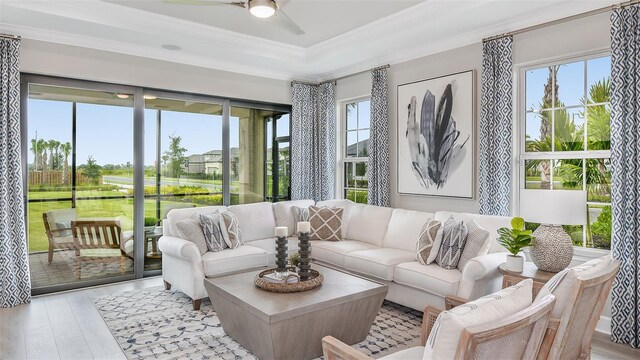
x,y
231,233
454,236
212,229
426,240
561,284
65,226
190,229
326,223
299,214
445,334
477,243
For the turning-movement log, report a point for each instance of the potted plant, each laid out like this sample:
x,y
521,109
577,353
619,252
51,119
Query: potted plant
x,y
150,223
514,240
294,259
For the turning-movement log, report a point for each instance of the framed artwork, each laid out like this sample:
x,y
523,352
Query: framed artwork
x,y
436,136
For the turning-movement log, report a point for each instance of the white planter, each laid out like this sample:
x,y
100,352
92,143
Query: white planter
x,y
158,230
515,263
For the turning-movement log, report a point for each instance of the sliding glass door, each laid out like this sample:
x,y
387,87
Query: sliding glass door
x,y
104,164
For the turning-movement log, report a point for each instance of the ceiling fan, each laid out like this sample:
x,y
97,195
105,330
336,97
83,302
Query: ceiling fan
x,y
259,8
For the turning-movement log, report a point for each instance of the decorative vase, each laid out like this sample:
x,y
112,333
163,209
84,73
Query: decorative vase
x,y
304,249
551,249
515,263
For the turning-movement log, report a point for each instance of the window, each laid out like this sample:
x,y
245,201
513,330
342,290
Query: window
x,y
565,139
356,117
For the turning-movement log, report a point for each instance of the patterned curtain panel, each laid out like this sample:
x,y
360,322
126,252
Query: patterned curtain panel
x,y
378,172
625,165
325,144
495,127
15,284
303,120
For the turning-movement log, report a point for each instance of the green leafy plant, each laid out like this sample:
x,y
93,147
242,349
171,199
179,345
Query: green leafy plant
x,y
150,221
294,259
516,238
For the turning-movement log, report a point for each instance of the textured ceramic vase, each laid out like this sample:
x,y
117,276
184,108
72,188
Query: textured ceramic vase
x,y
552,249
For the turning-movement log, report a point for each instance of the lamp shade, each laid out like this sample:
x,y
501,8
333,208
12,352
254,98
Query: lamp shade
x,y
556,207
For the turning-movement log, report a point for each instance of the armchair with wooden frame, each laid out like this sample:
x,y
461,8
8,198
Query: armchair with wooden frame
x,y
57,226
521,332
98,240
567,337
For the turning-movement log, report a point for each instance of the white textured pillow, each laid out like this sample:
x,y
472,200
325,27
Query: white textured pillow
x,y
478,243
445,334
190,229
560,284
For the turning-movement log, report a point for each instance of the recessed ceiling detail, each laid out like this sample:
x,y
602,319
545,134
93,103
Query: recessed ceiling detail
x,y
339,36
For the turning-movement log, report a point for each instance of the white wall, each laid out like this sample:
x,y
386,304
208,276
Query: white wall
x,y
88,64
545,44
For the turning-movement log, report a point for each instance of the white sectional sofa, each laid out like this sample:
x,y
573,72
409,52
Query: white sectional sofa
x,y
378,243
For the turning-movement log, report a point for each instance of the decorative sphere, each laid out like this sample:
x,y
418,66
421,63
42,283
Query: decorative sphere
x,y
552,248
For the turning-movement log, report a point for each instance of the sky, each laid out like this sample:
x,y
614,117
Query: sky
x,y
106,132
571,81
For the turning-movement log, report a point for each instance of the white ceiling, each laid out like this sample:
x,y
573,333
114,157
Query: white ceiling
x,y
341,37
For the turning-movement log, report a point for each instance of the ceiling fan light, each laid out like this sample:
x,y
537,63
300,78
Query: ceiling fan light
x,y
262,8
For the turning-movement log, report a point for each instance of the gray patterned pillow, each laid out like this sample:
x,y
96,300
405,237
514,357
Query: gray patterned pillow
x,y
477,243
326,223
190,229
426,240
212,229
454,235
299,214
231,233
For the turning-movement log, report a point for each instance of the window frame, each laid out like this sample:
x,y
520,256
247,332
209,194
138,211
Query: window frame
x,y
343,159
519,137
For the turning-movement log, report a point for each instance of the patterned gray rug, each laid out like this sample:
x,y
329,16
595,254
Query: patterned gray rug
x,y
155,323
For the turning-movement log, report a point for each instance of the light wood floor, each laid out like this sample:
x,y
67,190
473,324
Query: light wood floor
x,y
68,326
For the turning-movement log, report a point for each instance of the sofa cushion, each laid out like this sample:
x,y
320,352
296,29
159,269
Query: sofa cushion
x,y
426,241
230,230
212,225
333,252
283,212
190,229
176,215
346,215
379,263
326,223
411,353
404,229
431,278
270,244
445,334
256,221
490,223
369,223
229,260
477,244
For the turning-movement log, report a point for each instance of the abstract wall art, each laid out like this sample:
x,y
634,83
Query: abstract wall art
x,y
436,136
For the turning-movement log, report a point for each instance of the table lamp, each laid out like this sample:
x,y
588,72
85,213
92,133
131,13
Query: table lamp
x,y
552,248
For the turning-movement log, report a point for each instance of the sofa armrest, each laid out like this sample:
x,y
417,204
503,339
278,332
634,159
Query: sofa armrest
x,y
484,269
180,248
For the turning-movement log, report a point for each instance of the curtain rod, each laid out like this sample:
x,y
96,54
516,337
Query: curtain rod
x,y
562,20
335,81
9,36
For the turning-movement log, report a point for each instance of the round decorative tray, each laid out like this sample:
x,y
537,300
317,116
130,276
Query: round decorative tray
x,y
314,281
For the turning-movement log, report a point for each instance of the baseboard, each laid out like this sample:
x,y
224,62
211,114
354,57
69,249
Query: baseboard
x,y
604,325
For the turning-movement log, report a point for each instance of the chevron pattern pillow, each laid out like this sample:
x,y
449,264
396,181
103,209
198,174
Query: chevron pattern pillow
x,y
326,223
454,236
231,233
213,231
427,239
299,214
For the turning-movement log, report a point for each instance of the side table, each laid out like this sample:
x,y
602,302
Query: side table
x,y
530,271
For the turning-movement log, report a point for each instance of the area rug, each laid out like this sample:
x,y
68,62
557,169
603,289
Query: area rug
x,y
160,324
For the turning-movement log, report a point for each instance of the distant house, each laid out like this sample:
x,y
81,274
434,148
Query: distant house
x,y
207,163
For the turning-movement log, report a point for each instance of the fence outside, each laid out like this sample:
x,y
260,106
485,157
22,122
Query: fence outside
x,y
55,178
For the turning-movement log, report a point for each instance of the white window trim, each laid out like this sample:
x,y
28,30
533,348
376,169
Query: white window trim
x,y
341,124
518,137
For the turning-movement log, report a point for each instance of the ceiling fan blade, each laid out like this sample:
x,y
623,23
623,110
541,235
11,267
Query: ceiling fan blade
x,y
285,21
205,2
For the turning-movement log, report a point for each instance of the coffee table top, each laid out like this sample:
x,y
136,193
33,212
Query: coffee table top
x,y
337,288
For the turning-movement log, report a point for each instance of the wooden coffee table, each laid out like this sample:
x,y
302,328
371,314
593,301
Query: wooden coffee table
x,y
291,326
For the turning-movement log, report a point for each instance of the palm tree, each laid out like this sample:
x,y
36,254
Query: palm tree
x,y
54,150
51,144
35,150
66,150
43,158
